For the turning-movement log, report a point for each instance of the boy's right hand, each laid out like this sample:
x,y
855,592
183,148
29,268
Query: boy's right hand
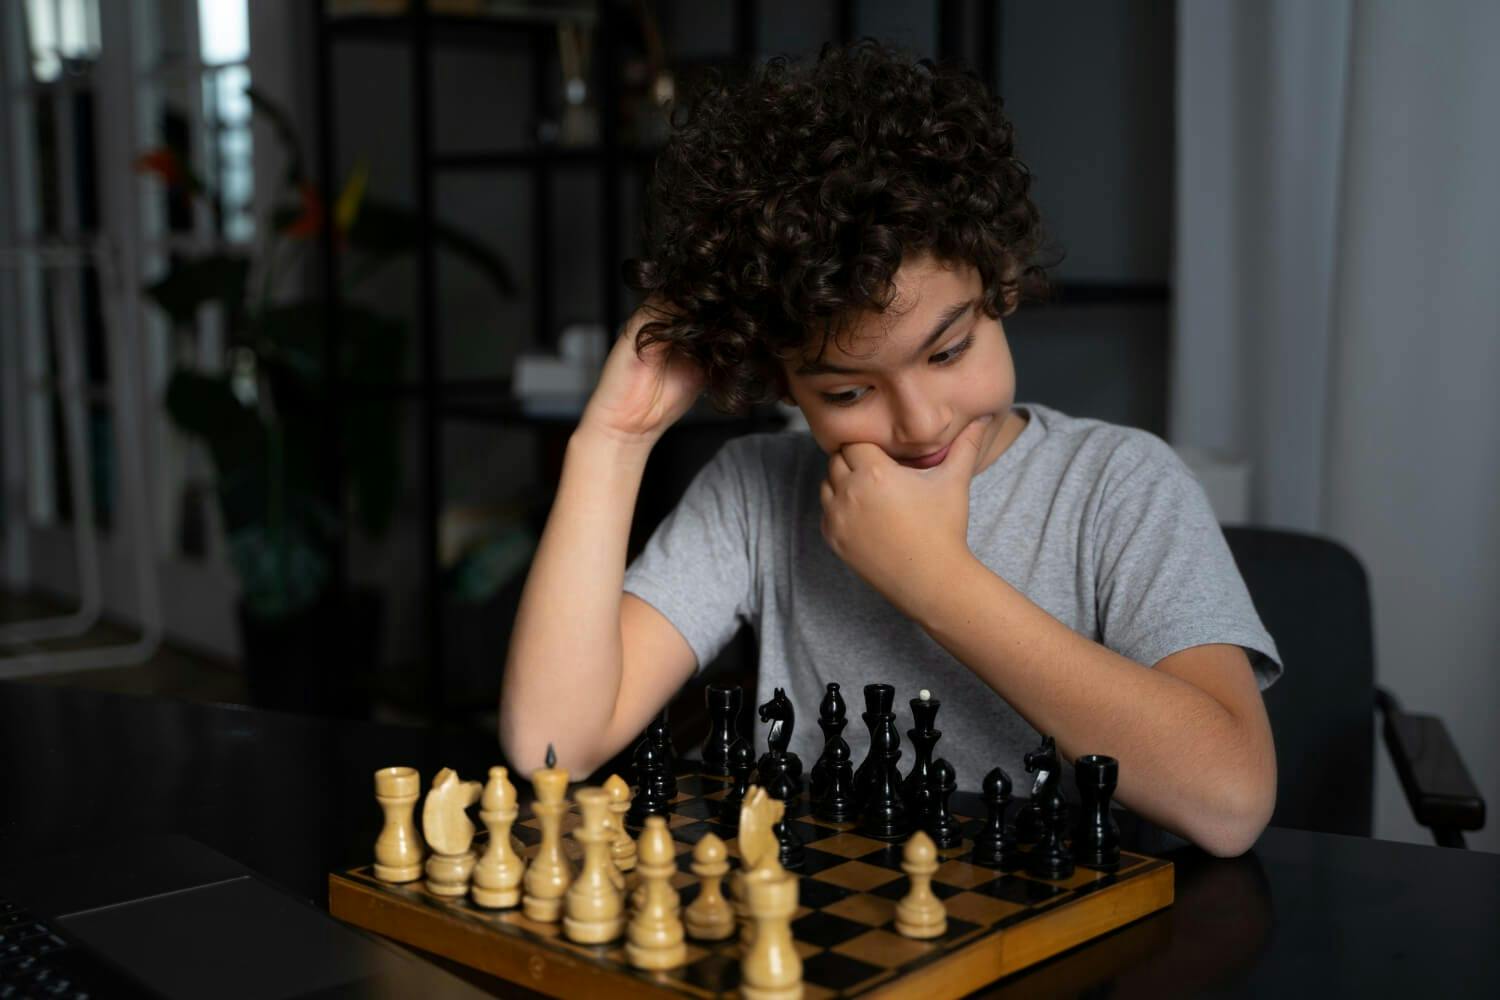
x,y
639,396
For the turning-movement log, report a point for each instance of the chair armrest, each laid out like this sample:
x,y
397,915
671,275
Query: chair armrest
x,y
1438,787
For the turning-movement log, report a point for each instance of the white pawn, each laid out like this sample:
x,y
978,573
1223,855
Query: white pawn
x,y
655,938
497,876
449,833
709,917
771,968
920,914
622,846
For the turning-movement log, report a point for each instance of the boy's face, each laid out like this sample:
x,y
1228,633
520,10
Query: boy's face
x,y
912,378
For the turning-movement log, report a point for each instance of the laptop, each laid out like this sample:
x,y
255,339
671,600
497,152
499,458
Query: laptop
x,y
169,917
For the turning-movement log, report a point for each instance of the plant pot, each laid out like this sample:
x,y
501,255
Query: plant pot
x,y
319,661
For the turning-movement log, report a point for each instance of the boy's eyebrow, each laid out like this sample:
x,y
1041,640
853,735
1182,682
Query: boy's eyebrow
x,y
948,318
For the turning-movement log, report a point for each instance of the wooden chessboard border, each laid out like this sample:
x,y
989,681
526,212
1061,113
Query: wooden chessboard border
x,y
482,939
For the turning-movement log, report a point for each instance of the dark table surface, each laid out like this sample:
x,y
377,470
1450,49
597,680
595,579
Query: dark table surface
x,y
292,798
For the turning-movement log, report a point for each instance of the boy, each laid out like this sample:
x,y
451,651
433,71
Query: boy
x,y
848,236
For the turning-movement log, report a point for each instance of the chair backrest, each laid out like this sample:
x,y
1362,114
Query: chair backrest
x,y
1313,596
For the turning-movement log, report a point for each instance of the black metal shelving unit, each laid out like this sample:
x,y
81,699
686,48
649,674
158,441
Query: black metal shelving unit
x,y
484,400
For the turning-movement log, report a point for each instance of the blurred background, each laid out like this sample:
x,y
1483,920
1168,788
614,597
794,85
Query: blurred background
x,y
299,302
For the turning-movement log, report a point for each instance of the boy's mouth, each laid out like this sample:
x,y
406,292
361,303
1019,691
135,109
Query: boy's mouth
x,y
931,461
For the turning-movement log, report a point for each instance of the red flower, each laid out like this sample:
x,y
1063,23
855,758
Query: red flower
x,y
163,162
310,223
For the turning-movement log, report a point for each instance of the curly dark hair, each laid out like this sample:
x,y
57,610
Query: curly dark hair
x,y
783,206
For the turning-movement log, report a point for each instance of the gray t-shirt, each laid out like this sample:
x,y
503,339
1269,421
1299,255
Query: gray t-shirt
x,y
1102,526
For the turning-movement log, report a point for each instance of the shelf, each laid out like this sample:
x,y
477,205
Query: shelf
x,y
543,156
447,28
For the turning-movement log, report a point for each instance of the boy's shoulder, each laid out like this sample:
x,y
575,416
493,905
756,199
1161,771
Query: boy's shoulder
x,y
1108,446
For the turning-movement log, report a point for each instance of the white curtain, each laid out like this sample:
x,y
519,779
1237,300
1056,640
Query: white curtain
x,y
1337,316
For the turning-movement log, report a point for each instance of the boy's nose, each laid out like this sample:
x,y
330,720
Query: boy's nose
x,y
920,422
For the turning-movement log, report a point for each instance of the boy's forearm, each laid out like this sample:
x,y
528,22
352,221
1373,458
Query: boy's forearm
x,y
1186,761
563,670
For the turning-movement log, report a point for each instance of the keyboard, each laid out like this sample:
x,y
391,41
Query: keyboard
x,y
36,961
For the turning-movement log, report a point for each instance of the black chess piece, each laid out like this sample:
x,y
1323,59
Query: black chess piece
x,y
1096,841
723,712
832,718
1041,761
741,763
782,717
883,813
788,846
1050,857
776,778
660,734
940,824
837,802
878,701
923,738
648,800
995,846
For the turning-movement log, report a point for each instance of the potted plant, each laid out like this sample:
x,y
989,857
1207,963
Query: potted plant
x,y
265,420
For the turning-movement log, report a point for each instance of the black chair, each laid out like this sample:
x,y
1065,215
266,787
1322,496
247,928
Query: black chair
x,y
1314,598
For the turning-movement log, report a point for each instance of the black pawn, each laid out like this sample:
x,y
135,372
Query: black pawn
x,y
1050,857
832,718
648,800
923,739
996,847
660,734
878,701
741,763
883,813
940,825
1096,842
723,712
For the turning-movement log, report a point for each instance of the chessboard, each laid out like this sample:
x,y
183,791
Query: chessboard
x,y
999,922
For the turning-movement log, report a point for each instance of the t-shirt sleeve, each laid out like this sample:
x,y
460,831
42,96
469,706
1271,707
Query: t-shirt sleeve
x,y
697,567
1165,578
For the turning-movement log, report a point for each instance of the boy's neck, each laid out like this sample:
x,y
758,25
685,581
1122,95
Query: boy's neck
x,y
1010,428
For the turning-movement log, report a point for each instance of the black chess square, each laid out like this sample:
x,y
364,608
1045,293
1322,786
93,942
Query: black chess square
x,y
898,889
697,808
837,972
717,973
807,832
825,930
816,894
691,833
526,834
815,861
888,856
1014,889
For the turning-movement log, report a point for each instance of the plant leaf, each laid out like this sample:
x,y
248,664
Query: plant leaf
x,y
190,282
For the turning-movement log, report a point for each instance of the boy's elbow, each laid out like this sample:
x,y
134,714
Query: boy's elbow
x,y
1244,818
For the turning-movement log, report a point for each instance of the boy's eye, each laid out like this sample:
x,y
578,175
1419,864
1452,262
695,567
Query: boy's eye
x,y
953,353
846,398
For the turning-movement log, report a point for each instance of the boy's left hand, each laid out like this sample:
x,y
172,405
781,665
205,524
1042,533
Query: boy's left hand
x,y
895,526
